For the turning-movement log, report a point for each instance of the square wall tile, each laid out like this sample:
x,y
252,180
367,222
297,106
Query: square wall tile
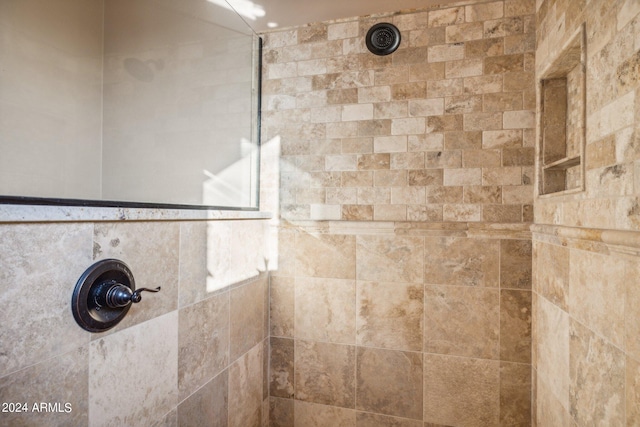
x,y
515,264
40,262
595,399
633,392
62,379
515,325
389,382
552,273
328,256
281,412
315,415
461,392
515,394
390,315
597,293
462,321
325,373
549,410
366,419
208,406
151,251
390,259
246,316
203,340
462,261
281,369
552,342
282,306
156,343
193,262
245,389
325,310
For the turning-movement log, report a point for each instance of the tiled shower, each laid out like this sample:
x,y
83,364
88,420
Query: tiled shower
x,y
417,271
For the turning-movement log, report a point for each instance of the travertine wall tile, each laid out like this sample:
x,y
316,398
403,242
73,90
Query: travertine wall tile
x,y
246,316
30,270
141,245
515,394
461,391
245,394
155,342
515,326
552,336
441,130
462,321
590,356
330,256
281,368
462,261
337,315
281,412
596,297
208,405
390,259
515,264
390,315
202,354
325,373
366,419
314,415
389,382
62,381
633,391
451,74
281,306
183,337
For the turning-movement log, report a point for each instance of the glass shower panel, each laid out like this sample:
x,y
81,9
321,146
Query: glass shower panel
x,y
128,101
50,98
178,106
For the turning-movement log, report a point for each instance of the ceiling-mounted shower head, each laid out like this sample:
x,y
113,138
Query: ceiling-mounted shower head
x,y
383,38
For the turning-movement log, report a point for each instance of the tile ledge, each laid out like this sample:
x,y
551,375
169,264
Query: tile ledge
x,y
618,240
37,213
415,228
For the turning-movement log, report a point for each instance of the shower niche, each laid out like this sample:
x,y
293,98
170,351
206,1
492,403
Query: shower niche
x,y
562,120
128,103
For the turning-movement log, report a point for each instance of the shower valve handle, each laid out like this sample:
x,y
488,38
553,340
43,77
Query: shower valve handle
x,y
119,295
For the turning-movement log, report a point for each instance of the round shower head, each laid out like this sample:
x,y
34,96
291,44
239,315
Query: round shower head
x,y
383,38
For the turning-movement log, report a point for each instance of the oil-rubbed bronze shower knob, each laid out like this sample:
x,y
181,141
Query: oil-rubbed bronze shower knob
x,y
103,295
116,295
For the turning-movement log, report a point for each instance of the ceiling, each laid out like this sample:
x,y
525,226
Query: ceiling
x,y
291,13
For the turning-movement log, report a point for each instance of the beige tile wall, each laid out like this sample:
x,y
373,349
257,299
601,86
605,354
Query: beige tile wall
x,y
382,323
610,199
395,309
190,355
585,268
440,130
586,327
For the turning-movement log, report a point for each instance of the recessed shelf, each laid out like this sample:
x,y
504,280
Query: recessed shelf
x,y
562,121
563,164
